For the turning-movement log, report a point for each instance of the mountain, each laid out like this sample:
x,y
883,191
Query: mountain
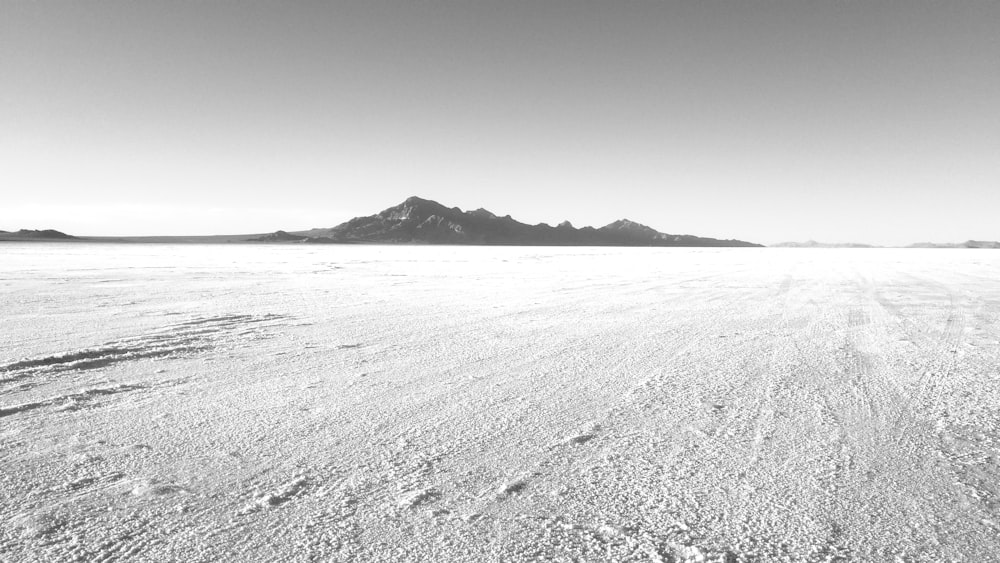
x,y
30,234
966,244
422,221
814,244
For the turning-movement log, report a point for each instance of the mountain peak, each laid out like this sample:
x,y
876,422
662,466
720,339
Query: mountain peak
x,y
629,226
482,213
416,200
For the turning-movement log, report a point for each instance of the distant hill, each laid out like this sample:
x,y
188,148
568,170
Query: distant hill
x,y
279,236
966,244
30,234
423,221
814,244
284,236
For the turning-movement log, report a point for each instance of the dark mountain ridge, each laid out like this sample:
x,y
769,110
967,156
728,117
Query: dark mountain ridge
x,y
422,221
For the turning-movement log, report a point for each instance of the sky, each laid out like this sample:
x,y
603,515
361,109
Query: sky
x,y
764,120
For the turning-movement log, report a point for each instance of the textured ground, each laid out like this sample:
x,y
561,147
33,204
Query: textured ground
x,y
287,403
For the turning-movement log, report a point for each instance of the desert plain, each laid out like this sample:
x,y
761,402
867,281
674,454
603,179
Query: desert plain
x,y
445,403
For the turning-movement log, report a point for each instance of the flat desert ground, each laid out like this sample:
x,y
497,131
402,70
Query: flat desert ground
x,y
387,403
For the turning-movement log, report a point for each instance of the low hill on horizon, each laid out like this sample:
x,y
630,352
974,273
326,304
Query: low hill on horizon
x,y
966,244
814,244
32,234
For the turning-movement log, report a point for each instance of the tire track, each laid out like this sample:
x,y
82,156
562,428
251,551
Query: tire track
x,y
178,340
943,349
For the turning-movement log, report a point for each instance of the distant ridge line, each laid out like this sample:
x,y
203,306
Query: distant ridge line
x,y
422,221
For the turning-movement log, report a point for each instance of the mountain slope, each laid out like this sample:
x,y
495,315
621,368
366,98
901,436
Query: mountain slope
x,y
418,220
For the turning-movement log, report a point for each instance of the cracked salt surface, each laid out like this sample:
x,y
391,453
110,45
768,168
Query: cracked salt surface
x,y
221,403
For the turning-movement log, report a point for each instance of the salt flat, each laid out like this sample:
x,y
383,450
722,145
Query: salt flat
x,y
366,403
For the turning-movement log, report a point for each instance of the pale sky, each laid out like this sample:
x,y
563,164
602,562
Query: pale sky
x,y
867,121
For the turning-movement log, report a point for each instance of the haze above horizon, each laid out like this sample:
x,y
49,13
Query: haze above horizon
x,y
869,122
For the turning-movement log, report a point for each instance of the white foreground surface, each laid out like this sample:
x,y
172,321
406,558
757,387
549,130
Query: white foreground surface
x,y
339,403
